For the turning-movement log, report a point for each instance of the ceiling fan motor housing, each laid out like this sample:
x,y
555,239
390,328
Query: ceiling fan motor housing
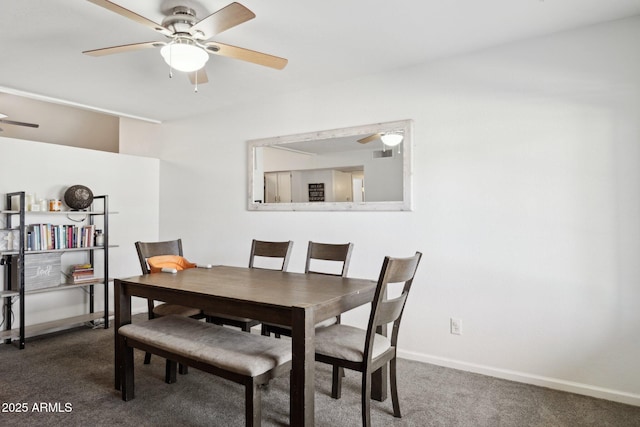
x,y
181,20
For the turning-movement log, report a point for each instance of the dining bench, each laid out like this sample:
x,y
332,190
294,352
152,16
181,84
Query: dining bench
x,y
247,359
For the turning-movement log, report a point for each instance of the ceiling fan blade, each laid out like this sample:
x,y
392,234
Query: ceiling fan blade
x,y
201,77
225,18
132,15
246,55
369,138
123,48
11,122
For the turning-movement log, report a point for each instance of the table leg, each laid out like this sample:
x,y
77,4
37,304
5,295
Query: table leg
x,y
302,395
122,317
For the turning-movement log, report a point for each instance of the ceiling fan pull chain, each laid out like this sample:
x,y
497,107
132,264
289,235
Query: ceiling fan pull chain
x,y
195,88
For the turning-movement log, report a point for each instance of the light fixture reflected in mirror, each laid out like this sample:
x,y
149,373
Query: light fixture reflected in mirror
x,y
391,139
184,55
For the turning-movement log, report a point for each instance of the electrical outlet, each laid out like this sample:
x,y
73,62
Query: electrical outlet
x,y
456,326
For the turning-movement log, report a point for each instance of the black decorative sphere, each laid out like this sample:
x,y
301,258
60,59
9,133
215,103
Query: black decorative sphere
x,y
78,197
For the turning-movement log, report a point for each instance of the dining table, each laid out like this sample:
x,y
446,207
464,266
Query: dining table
x,y
293,299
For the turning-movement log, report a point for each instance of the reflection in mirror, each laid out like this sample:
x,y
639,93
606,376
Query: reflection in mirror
x,y
358,168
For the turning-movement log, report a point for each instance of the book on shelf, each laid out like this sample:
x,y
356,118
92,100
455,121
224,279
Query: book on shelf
x,y
42,237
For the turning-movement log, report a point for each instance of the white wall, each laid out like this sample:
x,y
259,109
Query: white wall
x,y
526,196
132,184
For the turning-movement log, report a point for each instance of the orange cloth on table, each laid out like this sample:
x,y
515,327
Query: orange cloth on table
x,y
157,263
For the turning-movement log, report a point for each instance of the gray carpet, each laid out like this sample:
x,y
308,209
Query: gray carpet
x,y
72,374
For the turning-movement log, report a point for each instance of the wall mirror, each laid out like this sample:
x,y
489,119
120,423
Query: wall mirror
x,y
357,168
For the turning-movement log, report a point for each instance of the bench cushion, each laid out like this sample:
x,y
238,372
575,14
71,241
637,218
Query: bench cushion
x,y
229,349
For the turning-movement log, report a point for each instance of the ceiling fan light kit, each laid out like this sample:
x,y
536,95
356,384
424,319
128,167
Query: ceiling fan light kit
x,y
185,55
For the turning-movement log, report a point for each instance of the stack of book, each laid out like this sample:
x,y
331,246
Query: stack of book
x,y
81,274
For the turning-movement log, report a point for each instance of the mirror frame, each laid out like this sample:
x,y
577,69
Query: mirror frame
x,y
405,205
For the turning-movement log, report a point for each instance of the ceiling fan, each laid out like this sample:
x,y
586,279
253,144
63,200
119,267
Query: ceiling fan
x,y
12,122
390,139
189,46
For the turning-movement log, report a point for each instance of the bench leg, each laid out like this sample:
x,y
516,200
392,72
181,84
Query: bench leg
x,y
252,405
170,372
183,369
127,376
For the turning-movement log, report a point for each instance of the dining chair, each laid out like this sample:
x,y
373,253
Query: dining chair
x,y
366,351
334,260
278,252
147,250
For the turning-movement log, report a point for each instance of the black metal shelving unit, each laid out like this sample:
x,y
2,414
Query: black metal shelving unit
x,y
14,259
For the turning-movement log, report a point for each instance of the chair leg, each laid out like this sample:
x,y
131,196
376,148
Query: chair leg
x,y
246,328
366,399
394,388
336,381
147,358
264,331
170,372
252,405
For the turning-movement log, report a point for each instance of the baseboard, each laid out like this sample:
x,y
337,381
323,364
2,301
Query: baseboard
x,y
552,383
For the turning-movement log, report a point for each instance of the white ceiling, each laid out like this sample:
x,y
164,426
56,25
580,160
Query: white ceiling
x,y
325,41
